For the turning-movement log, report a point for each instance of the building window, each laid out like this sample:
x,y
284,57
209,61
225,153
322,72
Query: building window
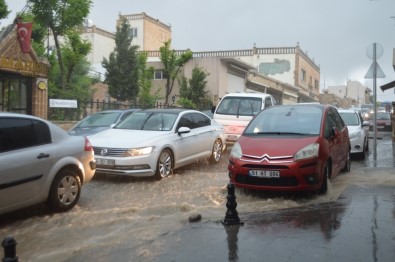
x,y
158,74
303,75
316,84
133,32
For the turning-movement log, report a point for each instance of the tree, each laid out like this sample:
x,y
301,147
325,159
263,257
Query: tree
x,y
122,69
192,91
145,83
3,9
60,16
172,65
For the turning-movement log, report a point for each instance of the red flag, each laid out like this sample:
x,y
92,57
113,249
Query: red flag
x,y
24,34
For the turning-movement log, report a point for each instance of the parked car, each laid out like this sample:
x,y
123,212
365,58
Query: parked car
x,y
358,130
383,121
153,142
235,111
100,121
40,162
291,148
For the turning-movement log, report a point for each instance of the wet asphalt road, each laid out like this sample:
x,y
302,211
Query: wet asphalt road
x,y
358,226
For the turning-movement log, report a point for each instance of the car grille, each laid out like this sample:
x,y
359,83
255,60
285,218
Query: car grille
x,y
282,181
100,151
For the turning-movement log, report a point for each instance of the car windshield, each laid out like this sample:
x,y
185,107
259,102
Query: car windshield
x,y
304,120
350,119
247,106
100,119
382,116
154,121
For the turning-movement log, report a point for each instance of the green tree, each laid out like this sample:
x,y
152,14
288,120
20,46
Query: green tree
x,y
122,69
172,63
74,51
145,83
192,91
60,16
3,9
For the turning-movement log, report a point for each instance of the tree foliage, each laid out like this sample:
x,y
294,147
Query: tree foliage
x,y
172,63
3,9
60,16
122,67
193,91
145,82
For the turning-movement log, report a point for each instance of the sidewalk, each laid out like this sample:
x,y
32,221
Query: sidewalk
x,y
358,226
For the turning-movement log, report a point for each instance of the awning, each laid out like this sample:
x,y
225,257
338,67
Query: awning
x,y
388,86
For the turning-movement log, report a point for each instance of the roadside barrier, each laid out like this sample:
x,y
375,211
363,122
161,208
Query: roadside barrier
x,y
9,245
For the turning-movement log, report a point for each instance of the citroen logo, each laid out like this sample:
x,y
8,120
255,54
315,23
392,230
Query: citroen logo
x,y
104,152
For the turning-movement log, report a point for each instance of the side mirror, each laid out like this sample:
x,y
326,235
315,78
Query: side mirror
x,y
183,130
335,132
365,123
213,109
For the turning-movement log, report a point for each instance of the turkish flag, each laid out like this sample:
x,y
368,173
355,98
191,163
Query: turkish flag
x,y
24,35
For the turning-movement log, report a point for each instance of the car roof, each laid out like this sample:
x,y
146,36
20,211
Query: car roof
x,y
348,111
247,95
10,114
168,110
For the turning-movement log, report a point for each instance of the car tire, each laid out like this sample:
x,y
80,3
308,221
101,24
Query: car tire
x,y
324,186
65,191
347,165
216,152
164,165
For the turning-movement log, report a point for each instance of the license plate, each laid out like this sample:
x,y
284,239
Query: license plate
x,y
232,138
265,173
105,162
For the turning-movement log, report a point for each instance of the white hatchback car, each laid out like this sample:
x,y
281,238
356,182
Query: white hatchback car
x,y
40,162
153,142
358,131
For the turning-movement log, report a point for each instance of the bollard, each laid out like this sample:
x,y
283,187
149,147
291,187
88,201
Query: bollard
x,y
231,216
9,245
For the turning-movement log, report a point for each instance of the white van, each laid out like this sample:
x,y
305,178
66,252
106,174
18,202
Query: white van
x,y
235,111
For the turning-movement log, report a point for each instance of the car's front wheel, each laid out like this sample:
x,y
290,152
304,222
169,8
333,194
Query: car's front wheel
x,y
347,165
164,165
324,186
216,152
65,191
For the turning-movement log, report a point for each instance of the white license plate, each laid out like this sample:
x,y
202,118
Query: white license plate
x,y
265,173
105,162
232,138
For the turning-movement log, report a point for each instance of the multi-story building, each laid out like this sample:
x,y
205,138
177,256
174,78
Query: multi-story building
x,y
147,32
353,90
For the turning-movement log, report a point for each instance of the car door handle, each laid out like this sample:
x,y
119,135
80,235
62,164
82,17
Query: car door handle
x,y
42,155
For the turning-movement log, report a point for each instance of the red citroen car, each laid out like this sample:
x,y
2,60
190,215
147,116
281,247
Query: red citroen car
x,y
291,148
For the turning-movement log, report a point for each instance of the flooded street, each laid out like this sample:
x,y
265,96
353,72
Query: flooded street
x,y
126,219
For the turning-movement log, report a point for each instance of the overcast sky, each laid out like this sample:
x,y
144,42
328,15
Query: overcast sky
x,y
334,33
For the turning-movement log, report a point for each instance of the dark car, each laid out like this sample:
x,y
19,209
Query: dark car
x,y
291,148
383,121
99,122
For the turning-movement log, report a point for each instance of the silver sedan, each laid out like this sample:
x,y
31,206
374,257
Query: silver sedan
x,y
153,142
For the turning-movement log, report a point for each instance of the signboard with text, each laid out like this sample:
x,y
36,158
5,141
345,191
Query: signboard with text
x,y
62,103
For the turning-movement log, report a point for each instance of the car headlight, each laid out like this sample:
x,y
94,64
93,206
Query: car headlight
x,y
355,135
309,151
236,151
139,151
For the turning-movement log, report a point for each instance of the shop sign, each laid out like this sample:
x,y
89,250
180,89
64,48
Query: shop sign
x,y
62,103
23,66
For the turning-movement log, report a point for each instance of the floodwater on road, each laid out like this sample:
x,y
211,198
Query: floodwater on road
x,y
132,214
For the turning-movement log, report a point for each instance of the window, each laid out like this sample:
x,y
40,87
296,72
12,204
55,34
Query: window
x,y
158,74
22,133
200,120
316,84
303,75
133,32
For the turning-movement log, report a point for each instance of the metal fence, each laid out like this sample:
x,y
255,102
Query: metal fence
x,y
87,107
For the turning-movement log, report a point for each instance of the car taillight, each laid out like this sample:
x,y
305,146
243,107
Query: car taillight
x,y
88,145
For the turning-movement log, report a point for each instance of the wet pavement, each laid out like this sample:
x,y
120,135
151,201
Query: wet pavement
x,y
358,226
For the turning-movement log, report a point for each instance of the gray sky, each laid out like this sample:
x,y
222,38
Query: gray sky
x,y
335,33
